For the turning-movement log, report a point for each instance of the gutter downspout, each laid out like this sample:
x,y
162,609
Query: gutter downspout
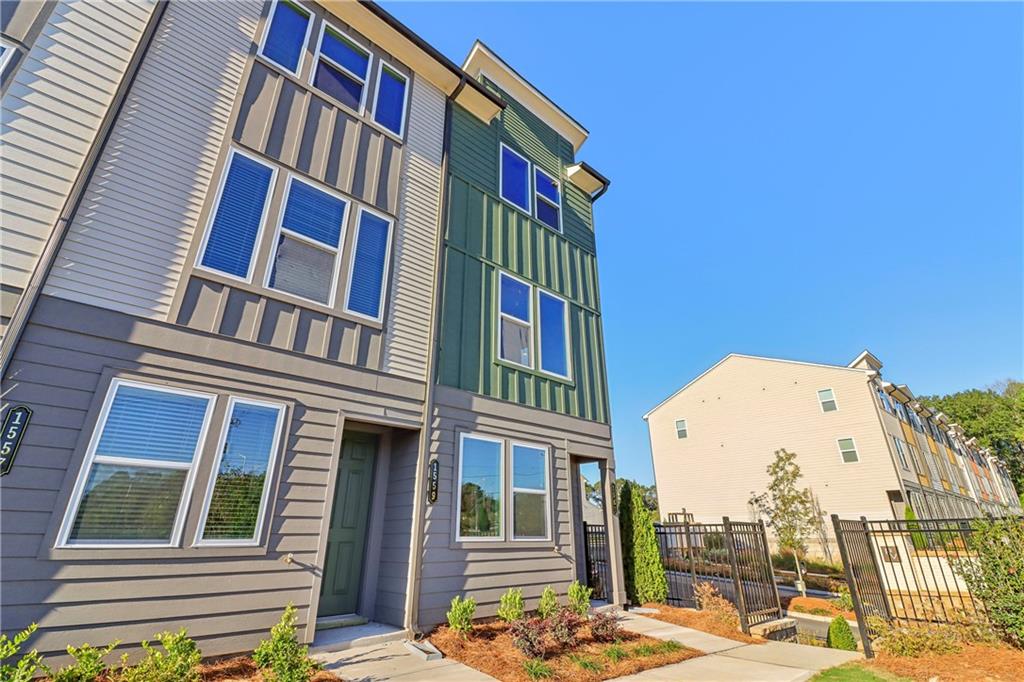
x,y
29,297
412,604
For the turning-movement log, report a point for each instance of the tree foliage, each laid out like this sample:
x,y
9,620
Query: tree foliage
x,y
995,574
788,509
993,415
645,577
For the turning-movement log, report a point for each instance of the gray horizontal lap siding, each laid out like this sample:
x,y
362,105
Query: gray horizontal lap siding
x,y
227,599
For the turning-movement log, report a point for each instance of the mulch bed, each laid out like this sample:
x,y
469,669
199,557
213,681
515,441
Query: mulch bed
x,y
816,606
489,649
242,669
976,663
704,621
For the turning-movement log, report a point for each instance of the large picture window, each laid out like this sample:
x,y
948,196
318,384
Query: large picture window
x,y
529,492
481,483
237,497
139,467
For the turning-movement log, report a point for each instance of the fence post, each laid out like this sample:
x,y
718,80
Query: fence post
x,y
771,568
586,555
741,600
851,581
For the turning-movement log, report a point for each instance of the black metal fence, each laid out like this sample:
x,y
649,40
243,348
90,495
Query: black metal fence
x,y
907,571
595,548
732,556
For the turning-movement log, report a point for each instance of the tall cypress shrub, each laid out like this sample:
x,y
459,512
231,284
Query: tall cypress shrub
x,y
916,536
641,561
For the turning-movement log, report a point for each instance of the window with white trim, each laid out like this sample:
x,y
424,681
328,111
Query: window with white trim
x,y
547,199
827,399
901,453
368,272
515,324
480,491
883,399
236,502
237,217
7,51
138,469
848,450
529,492
681,431
389,100
341,68
514,178
287,32
553,328
305,258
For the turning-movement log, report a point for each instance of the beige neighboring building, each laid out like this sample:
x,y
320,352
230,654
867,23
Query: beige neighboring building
x,y
865,446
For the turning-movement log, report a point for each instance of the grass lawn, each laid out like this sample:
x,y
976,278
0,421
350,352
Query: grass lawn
x,y
854,672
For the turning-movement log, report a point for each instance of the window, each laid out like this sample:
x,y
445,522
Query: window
x,y
884,400
237,499
515,326
481,466
900,452
554,334
514,179
847,450
681,429
237,216
827,399
369,270
529,492
304,262
548,204
6,53
138,468
341,68
389,102
286,35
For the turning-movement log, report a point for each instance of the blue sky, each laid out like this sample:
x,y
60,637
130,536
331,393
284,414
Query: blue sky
x,y
793,180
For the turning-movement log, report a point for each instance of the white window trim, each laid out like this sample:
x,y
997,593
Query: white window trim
x,y
267,481
387,263
381,65
198,265
305,38
686,428
540,335
91,458
821,403
546,492
537,196
11,48
318,55
281,229
855,450
900,453
501,487
529,324
501,183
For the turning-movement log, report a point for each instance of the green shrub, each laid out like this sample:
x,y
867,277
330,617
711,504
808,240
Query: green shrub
x,y
282,656
548,604
917,538
840,636
604,627
914,640
844,601
460,615
88,664
178,662
616,653
641,560
579,598
528,636
564,626
537,669
510,607
27,666
584,663
995,574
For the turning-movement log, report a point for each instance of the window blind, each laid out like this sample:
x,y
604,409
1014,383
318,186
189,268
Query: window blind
x,y
238,216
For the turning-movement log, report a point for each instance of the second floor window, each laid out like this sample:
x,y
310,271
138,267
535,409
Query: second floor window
x,y
828,400
515,327
900,452
516,313
848,450
286,34
514,177
369,270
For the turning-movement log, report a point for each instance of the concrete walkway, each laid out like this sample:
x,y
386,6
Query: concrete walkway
x,y
392,661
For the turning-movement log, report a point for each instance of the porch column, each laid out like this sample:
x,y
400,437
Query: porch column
x,y
617,593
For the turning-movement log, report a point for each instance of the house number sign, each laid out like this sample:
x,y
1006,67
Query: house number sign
x,y
433,475
14,430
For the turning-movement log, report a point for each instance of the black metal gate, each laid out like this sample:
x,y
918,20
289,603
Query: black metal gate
x,y
595,548
731,556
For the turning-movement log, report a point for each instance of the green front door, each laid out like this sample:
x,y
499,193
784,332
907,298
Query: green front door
x,y
346,538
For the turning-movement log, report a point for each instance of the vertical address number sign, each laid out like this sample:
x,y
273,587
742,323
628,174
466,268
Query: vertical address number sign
x,y
15,424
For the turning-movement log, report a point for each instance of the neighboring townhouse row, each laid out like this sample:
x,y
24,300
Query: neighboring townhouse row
x,y
297,311
865,447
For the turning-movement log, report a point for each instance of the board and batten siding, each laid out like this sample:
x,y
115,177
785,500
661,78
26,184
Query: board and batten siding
x,y
52,109
226,598
743,410
127,245
485,570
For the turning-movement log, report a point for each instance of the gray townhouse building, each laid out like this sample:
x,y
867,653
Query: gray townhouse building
x,y
294,310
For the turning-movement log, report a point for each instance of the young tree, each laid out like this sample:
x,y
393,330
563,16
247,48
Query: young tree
x,y
787,509
641,560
